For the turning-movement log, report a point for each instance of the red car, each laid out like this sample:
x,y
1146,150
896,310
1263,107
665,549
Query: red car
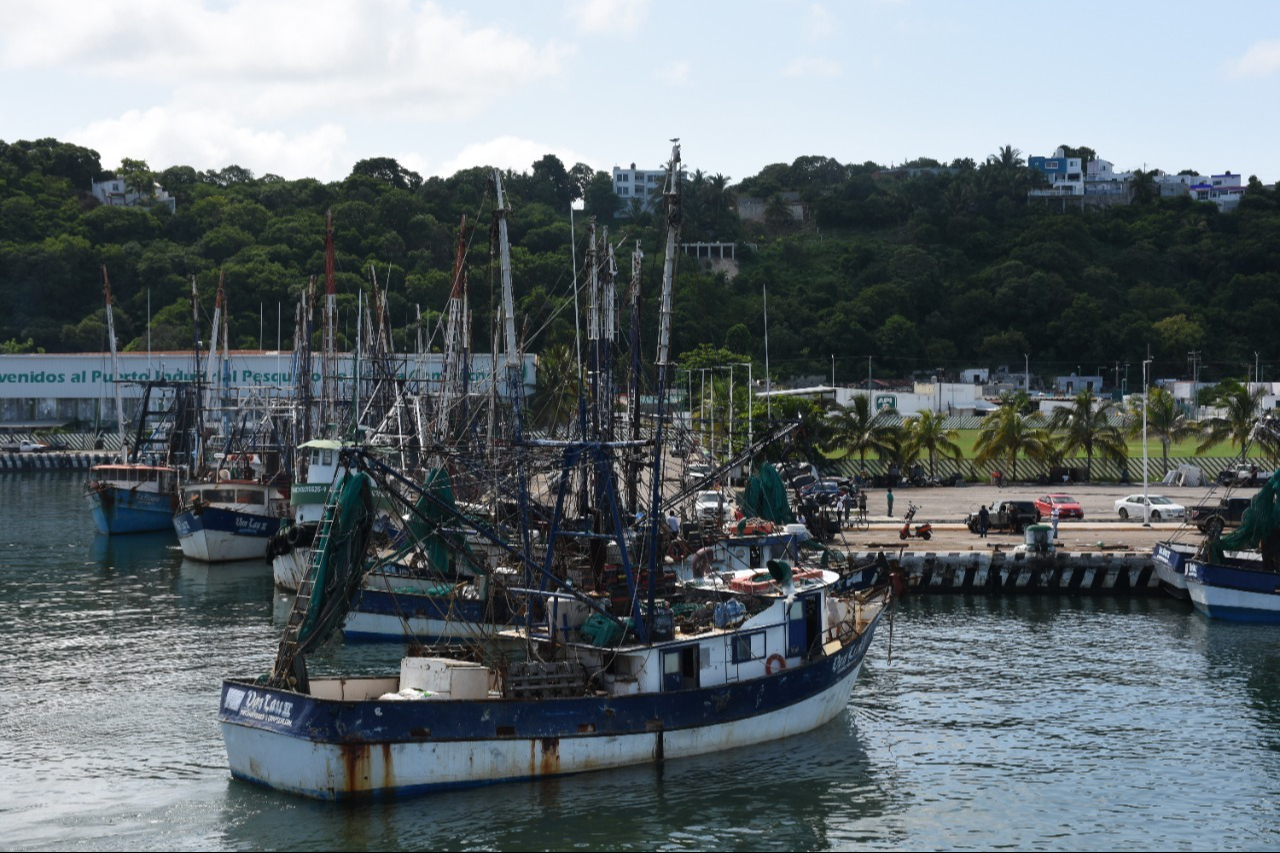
x,y
1068,507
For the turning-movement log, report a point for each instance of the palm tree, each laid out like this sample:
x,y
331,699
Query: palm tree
x,y
555,401
928,433
1087,425
858,429
1241,409
720,196
1164,421
1006,433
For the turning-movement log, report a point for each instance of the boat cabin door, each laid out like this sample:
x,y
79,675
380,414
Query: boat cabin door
x,y
804,625
680,668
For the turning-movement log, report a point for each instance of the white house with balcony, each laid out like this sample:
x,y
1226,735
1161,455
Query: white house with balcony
x,y
113,191
1065,174
1223,190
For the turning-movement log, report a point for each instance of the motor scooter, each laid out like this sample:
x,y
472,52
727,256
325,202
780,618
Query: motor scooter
x,y
922,531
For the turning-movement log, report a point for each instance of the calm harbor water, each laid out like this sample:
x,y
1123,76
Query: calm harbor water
x,y
1053,723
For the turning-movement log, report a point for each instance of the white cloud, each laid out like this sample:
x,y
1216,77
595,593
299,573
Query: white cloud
x,y
609,17
1260,60
820,24
274,57
811,66
212,139
510,152
675,73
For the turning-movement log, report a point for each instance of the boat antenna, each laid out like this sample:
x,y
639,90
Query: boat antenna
x,y
115,364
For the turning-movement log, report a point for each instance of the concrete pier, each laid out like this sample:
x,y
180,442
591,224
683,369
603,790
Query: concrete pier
x,y
53,461
1005,573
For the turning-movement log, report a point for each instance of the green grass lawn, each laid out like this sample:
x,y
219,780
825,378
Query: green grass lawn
x,y
1186,449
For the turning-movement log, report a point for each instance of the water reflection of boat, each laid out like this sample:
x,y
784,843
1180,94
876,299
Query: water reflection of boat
x,y
128,553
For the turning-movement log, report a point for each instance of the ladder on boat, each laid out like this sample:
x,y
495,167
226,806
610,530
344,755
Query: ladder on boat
x,y
289,671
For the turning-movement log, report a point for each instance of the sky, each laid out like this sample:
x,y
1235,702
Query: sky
x,y
306,88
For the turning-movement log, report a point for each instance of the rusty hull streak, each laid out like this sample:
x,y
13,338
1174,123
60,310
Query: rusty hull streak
x,y
357,767
544,756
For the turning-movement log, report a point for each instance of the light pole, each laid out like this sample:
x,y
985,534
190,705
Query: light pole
x,y
1146,393
1026,372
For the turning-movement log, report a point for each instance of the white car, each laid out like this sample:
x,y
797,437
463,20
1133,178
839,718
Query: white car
x,y
1162,509
710,506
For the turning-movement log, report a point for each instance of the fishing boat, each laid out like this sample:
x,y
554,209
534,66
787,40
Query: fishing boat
x,y
1237,575
132,498
592,690
138,493
1170,559
593,671
289,547
229,519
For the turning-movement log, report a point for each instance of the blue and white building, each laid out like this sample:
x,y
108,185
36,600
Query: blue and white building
x,y
1065,174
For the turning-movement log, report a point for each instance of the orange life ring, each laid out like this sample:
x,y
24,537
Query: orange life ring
x,y
777,659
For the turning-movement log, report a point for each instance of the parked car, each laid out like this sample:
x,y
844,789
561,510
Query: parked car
x,y
1068,507
1162,508
711,506
696,473
1012,516
26,447
1212,519
824,491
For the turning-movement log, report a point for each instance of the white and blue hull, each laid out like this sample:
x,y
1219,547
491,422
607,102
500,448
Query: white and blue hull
x,y
1170,559
1236,593
217,535
334,771
342,741
290,569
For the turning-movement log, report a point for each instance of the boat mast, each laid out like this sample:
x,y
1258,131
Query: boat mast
x,y
115,365
610,334
329,356
671,195
211,367
454,342
510,349
633,410
594,310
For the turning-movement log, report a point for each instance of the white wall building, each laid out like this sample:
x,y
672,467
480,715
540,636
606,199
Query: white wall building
x,y
643,184
946,398
48,387
114,192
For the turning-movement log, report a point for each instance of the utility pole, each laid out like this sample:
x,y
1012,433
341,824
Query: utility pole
x,y
1194,357
1146,395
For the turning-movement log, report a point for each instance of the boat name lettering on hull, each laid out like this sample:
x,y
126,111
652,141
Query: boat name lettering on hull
x,y
263,707
251,525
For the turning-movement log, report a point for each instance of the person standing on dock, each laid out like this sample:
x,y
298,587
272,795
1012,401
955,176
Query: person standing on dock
x,y
1054,515
888,497
862,505
984,521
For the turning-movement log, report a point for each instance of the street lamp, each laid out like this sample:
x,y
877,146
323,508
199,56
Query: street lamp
x,y
1146,393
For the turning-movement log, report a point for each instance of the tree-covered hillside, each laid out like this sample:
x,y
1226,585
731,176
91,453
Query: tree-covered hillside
x,y
921,269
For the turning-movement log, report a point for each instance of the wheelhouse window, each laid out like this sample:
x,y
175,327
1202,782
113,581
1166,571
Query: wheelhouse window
x,y
748,647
